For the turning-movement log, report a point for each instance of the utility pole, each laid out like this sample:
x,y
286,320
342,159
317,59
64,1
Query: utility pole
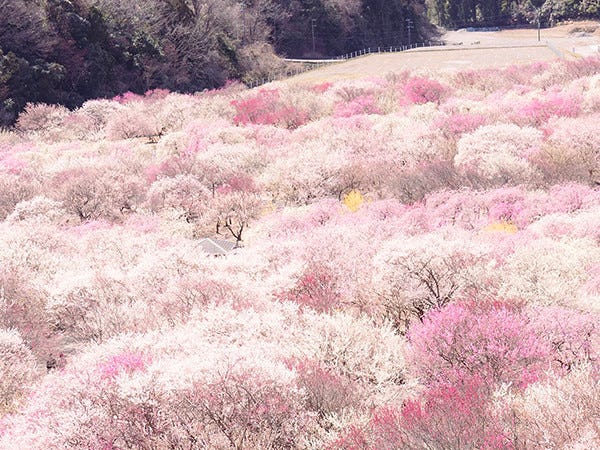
x,y
243,22
539,14
409,27
312,29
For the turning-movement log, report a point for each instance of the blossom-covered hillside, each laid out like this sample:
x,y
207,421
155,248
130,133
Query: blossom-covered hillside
x,y
417,266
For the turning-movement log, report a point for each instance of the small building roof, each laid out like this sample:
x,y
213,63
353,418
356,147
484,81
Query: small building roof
x,y
216,246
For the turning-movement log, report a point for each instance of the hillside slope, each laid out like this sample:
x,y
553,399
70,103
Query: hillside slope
x,y
65,52
414,264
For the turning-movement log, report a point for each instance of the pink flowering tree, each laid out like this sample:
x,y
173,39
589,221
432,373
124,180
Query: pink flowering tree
x,y
495,344
445,416
136,119
573,335
243,409
328,392
42,120
421,90
15,189
416,274
183,193
23,310
560,412
553,104
236,204
572,150
455,124
499,154
363,104
116,397
18,370
266,107
98,193
315,288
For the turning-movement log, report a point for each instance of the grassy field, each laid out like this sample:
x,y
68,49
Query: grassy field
x,y
475,50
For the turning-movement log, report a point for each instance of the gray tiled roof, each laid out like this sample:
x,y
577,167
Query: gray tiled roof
x,y
216,246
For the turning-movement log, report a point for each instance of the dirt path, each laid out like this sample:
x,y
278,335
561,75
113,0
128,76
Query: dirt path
x,y
474,50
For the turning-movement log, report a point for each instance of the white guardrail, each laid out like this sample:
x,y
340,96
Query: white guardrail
x,y
311,64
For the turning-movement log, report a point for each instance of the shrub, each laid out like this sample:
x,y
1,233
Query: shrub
x,y
258,61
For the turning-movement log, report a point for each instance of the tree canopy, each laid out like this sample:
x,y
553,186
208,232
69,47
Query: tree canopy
x,y
68,51
465,13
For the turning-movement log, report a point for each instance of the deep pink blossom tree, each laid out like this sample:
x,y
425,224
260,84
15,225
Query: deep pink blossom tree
x,y
495,344
445,417
266,107
424,90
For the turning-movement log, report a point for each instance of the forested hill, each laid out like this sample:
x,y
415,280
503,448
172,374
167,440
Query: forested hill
x,y
67,51
465,13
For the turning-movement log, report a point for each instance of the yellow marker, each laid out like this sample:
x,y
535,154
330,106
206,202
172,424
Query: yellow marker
x,y
353,200
502,226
